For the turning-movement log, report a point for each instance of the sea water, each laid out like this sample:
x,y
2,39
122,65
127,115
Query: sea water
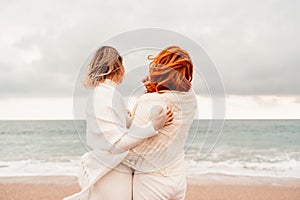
x,y
244,147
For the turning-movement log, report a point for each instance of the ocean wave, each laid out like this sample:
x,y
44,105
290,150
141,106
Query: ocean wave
x,y
38,168
288,168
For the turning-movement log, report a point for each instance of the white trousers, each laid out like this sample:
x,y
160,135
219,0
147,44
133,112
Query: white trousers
x,y
155,187
115,185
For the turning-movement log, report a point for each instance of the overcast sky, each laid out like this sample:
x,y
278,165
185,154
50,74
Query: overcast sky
x,y
254,44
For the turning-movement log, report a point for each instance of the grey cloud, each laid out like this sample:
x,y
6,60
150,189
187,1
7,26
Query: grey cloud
x,y
253,43
266,103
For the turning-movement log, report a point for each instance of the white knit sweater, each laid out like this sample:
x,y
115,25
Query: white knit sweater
x,y
163,153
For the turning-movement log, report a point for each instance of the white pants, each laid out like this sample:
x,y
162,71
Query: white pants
x,y
155,187
115,185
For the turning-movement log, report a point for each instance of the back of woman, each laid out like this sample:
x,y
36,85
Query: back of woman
x,y
159,160
169,142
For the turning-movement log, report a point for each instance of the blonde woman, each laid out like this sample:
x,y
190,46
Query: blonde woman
x,y
108,133
159,161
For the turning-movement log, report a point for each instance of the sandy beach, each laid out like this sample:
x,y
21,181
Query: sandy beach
x,y
212,187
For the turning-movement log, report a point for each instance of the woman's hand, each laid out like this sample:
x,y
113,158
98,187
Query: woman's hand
x,y
129,114
145,80
160,118
169,116
129,118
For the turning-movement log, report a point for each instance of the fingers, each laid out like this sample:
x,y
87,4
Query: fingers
x,y
169,116
169,112
129,113
161,117
170,119
144,80
168,123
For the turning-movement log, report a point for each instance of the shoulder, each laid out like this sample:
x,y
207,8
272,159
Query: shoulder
x,y
103,92
150,98
146,101
104,98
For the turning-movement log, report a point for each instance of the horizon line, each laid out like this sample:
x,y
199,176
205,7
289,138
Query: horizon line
x,y
194,119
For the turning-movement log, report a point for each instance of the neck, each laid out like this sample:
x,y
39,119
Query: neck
x,y
110,81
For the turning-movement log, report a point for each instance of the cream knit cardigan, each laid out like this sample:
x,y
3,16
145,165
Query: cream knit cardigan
x,y
163,153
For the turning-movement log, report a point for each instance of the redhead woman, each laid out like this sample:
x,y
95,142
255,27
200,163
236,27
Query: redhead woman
x,y
110,133
159,160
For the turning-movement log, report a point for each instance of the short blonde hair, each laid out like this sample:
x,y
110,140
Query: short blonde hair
x,y
105,64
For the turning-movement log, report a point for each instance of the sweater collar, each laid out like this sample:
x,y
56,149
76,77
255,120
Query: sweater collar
x,y
110,83
107,83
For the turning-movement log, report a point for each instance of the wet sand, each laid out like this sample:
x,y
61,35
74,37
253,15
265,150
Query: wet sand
x,y
206,187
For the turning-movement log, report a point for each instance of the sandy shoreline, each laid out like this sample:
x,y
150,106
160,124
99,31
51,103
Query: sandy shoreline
x,y
211,186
